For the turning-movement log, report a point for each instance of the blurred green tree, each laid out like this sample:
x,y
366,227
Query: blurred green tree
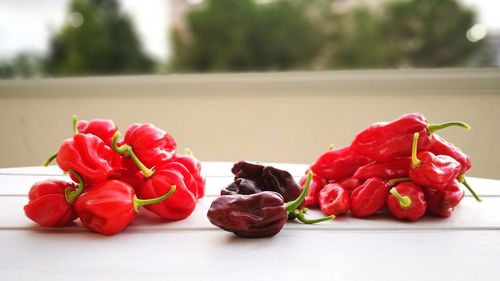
x,y
23,65
98,40
242,35
411,33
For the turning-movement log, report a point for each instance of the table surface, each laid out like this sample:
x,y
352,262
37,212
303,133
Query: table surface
x,y
465,246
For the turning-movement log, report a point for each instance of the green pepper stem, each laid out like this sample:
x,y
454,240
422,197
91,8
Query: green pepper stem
x,y
138,203
331,147
75,123
72,194
461,179
415,162
114,144
127,151
436,127
48,161
301,217
293,205
188,151
404,201
393,182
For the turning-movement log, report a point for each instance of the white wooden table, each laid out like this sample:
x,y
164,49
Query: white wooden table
x,y
465,246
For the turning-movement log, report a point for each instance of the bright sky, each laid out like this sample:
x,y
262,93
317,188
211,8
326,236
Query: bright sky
x,y
26,25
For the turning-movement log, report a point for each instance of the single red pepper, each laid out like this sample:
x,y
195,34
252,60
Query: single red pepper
x,y
443,202
385,141
50,202
315,187
150,144
88,156
108,207
187,177
396,168
338,164
104,129
370,196
334,200
406,201
351,183
440,146
155,183
194,167
434,171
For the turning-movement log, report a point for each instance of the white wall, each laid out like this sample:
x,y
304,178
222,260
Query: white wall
x,y
268,117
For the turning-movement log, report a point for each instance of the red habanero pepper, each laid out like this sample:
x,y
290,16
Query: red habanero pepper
x,y
385,141
179,206
50,202
370,196
150,144
440,146
88,156
351,183
315,187
406,201
443,202
434,171
396,168
187,177
194,167
155,183
333,199
104,129
338,163
108,207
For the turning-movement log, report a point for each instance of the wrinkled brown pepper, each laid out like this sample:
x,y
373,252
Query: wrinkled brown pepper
x,y
257,215
261,214
251,178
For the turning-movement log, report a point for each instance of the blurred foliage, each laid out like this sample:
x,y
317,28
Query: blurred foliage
x,y
105,43
23,65
230,35
243,35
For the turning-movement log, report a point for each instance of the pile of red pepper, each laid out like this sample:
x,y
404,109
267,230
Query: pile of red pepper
x,y
402,165
112,179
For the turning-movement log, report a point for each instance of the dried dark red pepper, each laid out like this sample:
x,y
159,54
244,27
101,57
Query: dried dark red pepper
x,y
264,178
406,201
396,168
257,215
385,141
443,202
338,164
334,200
108,207
434,171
